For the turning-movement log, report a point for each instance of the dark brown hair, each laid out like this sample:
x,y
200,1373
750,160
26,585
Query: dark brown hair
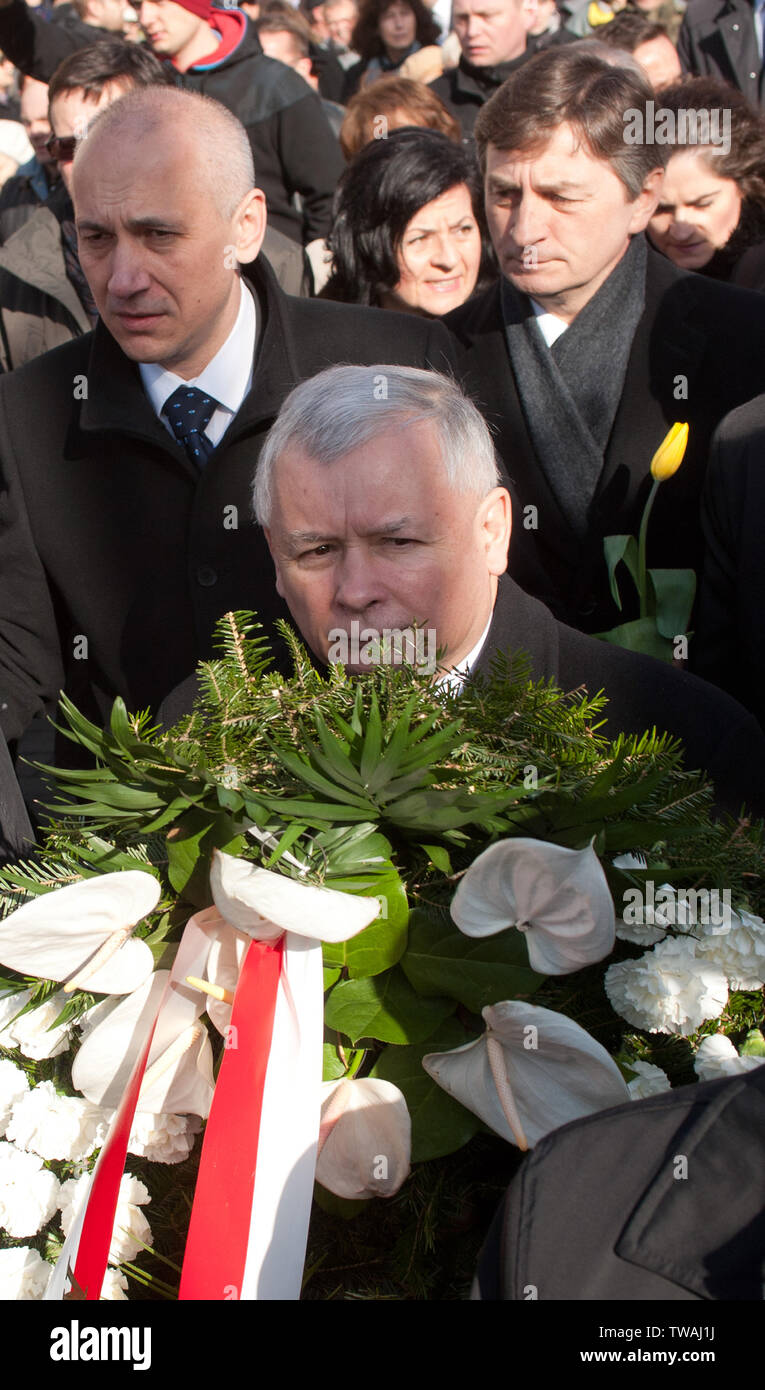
x,y
365,39
386,98
629,29
562,85
95,67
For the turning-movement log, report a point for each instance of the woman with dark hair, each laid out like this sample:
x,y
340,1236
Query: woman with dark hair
x,y
711,214
409,231
387,32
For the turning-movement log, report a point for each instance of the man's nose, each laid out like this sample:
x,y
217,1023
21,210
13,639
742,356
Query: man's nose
x,y
527,223
357,588
127,275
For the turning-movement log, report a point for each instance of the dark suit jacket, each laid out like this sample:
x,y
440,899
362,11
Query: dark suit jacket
x,y
729,645
717,39
710,334
116,556
597,1213
16,837
719,735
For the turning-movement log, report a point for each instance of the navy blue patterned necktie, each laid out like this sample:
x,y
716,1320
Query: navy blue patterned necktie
x,y
189,411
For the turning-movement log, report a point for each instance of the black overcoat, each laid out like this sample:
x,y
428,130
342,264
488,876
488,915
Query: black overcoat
x,y
696,339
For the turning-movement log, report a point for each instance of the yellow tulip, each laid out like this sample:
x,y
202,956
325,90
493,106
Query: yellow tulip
x,y
670,453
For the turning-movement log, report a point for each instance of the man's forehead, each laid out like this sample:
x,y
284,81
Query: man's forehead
x,y
563,147
404,462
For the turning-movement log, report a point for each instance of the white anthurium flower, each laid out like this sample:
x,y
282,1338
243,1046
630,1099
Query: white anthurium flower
x,y
532,1071
179,1075
365,1139
81,934
559,897
227,952
717,1057
264,904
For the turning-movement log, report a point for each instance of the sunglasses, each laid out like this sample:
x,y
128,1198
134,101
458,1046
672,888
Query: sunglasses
x,y
61,147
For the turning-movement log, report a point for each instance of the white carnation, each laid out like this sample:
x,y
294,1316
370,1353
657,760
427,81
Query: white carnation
x,y
24,1274
740,951
717,1057
13,1085
30,1032
650,1081
57,1127
114,1286
131,1229
163,1138
28,1192
669,989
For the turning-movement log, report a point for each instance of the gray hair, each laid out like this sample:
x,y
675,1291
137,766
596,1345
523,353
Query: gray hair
x,y
222,144
343,408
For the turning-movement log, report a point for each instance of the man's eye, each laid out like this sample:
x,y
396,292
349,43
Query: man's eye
x,y
315,551
398,540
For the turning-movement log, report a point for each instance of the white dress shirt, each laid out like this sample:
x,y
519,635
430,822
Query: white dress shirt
x,y
454,680
227,378
550,325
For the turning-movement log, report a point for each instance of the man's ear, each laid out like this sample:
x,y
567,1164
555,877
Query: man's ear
x,y
279,589
529,12
647,201
249,223
495,521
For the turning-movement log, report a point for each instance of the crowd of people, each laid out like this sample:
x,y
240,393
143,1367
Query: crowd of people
x,y
271,178
404,269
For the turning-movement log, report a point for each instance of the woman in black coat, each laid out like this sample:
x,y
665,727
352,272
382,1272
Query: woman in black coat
x,y
409,231
711,216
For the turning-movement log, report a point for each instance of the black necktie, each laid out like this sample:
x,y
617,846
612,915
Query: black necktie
x,y
189,411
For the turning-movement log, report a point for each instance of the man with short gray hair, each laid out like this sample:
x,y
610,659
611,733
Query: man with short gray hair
x,y
592,344
377,490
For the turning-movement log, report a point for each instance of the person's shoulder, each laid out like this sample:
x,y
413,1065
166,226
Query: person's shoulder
x,y
53,372
476,315
715,303
363,334
708,13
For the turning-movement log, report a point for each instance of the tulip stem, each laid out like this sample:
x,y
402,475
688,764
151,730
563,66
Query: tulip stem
x,y
505,1090
642,585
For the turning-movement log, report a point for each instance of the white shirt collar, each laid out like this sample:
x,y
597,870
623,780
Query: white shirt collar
x,y
550,326
228,377
455,679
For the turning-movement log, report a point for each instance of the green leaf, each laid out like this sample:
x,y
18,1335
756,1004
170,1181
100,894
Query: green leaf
x,y
620,549
332,1066
439,857
675,591
370,755
439,1124
189,851
753,1044
641,635
383,942
440,960
384,1007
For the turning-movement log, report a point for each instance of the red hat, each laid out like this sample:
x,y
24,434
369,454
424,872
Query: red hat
x,y
200,7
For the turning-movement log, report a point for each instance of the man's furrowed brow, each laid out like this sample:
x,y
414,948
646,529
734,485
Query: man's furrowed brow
x,y
298,540
135,224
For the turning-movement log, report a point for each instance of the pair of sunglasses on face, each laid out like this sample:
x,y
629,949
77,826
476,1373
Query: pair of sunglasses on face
x,y
61,147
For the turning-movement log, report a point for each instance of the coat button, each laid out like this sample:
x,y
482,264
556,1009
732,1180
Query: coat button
x,y
735,28
753,76
206,576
